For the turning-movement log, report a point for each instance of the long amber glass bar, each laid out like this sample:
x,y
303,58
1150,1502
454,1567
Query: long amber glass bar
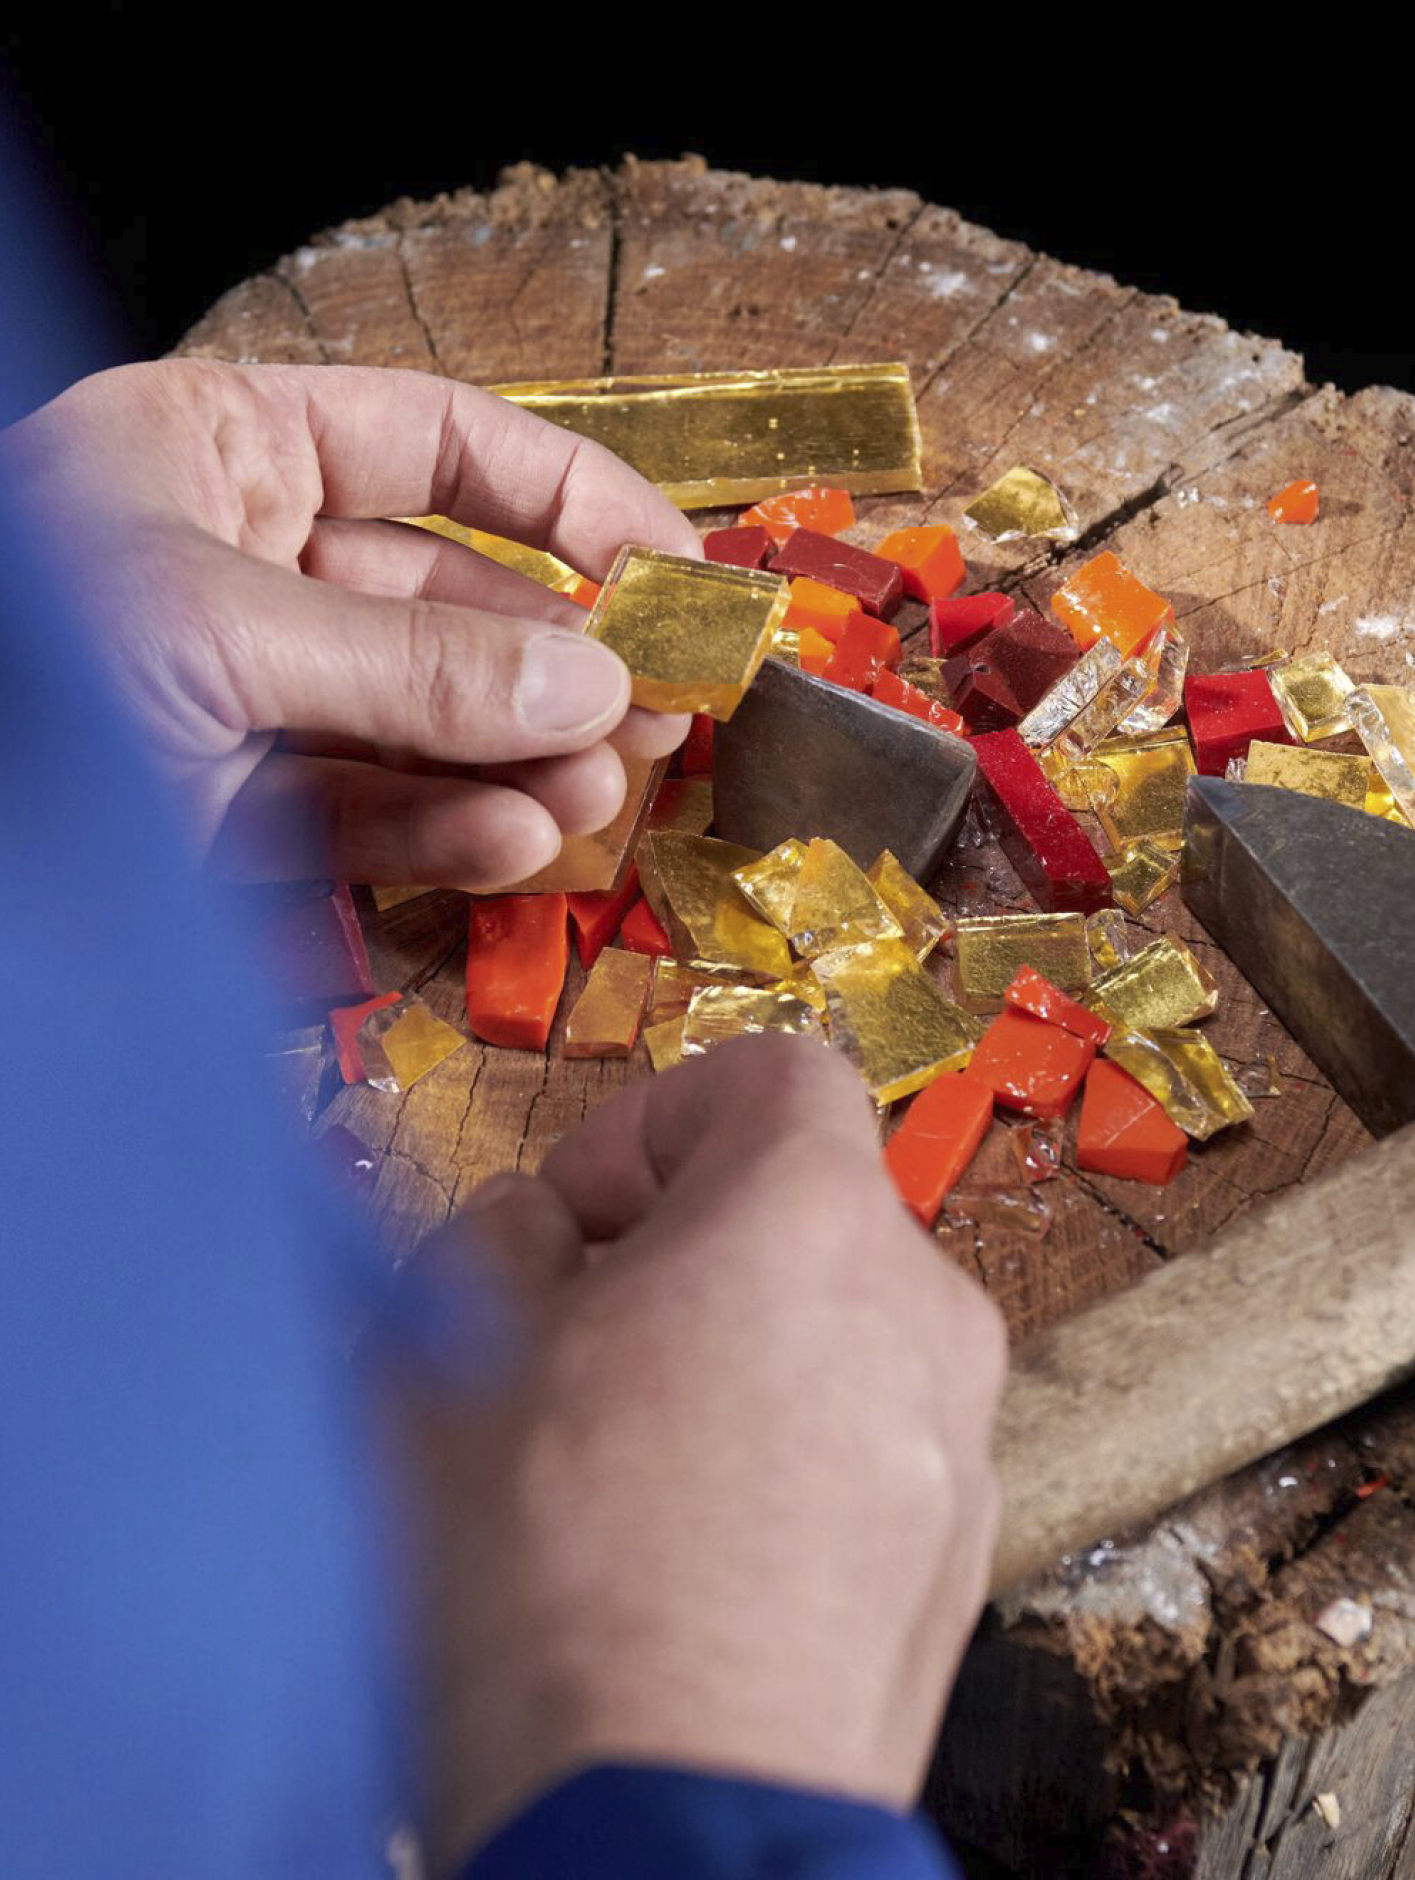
x,y
713,438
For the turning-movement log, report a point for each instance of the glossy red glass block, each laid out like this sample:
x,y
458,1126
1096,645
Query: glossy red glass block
x,y
1050,850
738,548
642,932
1001,677
877,584
890,689
596,917
955,624
867,647
1226,711
1031,992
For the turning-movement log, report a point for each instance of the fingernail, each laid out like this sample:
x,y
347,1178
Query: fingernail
x,y
568,682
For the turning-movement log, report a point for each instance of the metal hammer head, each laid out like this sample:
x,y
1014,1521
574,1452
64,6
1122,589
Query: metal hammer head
x,y
803,757
1315,905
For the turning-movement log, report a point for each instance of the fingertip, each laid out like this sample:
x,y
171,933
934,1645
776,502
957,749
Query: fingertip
x,y
646,734
490,847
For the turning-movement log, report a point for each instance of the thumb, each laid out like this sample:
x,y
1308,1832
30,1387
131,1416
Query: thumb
x,y
283,652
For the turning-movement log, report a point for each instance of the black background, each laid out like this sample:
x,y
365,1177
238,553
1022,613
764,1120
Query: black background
x,y
1264,182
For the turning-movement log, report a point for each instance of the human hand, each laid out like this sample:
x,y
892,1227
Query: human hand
x,y
736,1513
445,720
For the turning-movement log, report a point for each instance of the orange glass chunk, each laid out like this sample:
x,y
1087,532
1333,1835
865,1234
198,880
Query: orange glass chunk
x,y
866,647
890,689
824,609
929,559
518,947
813,651
1030,1065
1031,992
596,917
937,1140
1124,1131
585,592
826,511
1104,601
1297,503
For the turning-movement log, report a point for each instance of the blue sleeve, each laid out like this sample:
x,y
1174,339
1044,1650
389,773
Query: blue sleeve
x,y
640,1823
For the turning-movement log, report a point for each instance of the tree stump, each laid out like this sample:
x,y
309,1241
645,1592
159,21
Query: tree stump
x,y
1167,1704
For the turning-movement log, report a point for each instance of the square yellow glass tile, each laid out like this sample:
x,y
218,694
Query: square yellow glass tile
x,y
1338,776
890,1020
1022,503
1164,985
1141,873
835,904
920,917
413,1039
1182,1072
1312,692
1151,775
990,949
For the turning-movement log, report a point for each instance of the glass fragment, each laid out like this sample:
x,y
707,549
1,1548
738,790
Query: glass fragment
x,y
835,904
692,633
1151,776
1169,656
1080,783
534,563
1116,700
400,1043
688,883
1312,693
1104,599
1338,776
1022,503
1001,1210
1074,692
1262,1079
1109,939
770,884
664,1044
920,917
717,1013
672,988
989,951
1184,1074
890,1020
1036,1148
1384,718
1163,986
604,1020
1141,873
713,438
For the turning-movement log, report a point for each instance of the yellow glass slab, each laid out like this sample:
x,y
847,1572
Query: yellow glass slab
x,y
990,950
414,1039
664,1044
594,864
1151,775
692,633
1141,873
1312,693
1338,776
1022,503
835,904
1081,783
548,570
890,1020
920,917
1182,1072
1164,985
709,439
770,884
718,1013
709,922
1384,717
604,1020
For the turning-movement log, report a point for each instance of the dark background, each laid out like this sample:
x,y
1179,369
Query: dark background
x,y
194,152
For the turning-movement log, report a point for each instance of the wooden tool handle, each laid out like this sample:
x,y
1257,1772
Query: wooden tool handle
x,y
1304,1311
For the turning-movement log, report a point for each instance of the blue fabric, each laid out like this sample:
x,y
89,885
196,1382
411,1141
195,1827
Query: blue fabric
x,y
196,1595
640,1823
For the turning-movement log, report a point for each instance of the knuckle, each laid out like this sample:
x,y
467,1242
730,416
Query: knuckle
x,y
447,671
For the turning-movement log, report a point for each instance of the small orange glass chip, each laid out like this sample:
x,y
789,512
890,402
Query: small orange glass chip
x,y
1297,503
813,651
929,559
823,609
1104,601
826,511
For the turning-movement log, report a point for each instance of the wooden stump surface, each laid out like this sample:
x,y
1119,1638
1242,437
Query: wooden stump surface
x,y
1167,430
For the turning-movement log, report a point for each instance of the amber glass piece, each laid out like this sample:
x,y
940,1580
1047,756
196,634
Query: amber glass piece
x,y
770,884
692,633
835,904
1312,693
827,511
1384,717
600,863
604,1020
1167,658
890,1020
1109,939
1117,700
920,917
1339,776
813,651
1164,985
713,438
1182,1071
664,1044
717,1013
709,921
672,988
1104,600
991,950
1151,775
925,673
1141,873
936,1141
1299,502
414,1040
1079,782
534,563
346,1022
1022,503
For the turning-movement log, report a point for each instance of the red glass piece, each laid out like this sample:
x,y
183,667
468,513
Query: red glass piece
x,y
1001,677
308,936
1124,1132
642,932
1042,839
695,752
1226,711
955,624
877,584
937,1140
738,548
585,592
596,917
345,1024
890,689
866,648
1030,1065
517,951
826,511
1030,992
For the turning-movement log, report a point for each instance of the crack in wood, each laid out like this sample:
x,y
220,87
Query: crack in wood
x,y
870,294
413,306
304,310
611,276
